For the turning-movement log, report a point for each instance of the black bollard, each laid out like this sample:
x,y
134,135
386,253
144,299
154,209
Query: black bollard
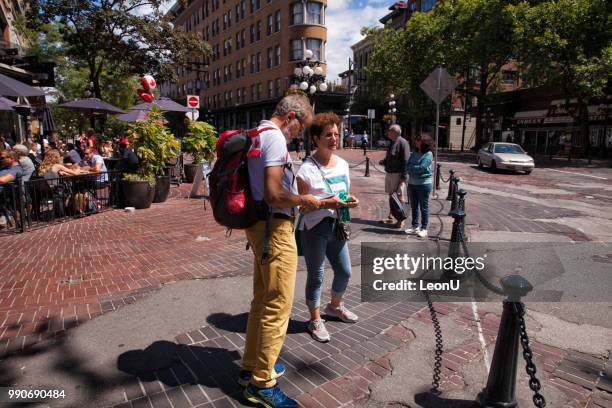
x,y
438,175
461,199
455,197
457,238
367,171
450,185
501,384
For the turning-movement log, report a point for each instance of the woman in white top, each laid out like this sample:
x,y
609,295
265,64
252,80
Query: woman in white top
x,y
326,176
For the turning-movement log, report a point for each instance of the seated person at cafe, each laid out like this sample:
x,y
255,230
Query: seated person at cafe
x,y
52,166
95,164
72,155
129,160
25,162
9,162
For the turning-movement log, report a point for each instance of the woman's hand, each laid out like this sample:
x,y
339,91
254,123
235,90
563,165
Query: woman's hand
x,y
334,203
352,201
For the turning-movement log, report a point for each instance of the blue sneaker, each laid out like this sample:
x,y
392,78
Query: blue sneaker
x,y
244,378
272,397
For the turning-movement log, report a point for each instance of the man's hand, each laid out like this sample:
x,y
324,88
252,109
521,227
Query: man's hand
x,y
352,201
309,203
333,202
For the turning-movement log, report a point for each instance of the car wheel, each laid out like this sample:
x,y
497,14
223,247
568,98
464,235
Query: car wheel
x,y
493,166
528,172
479,163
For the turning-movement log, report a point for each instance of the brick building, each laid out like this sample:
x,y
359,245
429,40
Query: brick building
x,y
255,46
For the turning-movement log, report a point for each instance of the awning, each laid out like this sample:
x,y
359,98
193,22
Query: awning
x,y
12,87
135,115
534,117
164,104
91,106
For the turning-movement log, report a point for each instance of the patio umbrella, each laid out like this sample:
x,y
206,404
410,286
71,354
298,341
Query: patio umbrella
x,y
8,102
5,106
136,115
47,120
91,106
165,104
12,87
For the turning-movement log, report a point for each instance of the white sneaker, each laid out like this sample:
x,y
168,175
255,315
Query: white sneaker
x,y
412,230
341,313
317,330
422,234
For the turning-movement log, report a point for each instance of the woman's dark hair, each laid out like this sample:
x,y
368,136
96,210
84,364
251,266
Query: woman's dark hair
x,y
426,143
321,120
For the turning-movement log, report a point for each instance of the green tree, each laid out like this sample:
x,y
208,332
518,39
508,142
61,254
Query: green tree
x,y
567,45
114,36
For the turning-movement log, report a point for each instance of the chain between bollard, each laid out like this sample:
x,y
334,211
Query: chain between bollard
x,y
352,166
435,385
534,384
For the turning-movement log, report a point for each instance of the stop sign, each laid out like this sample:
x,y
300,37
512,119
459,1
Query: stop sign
x,y
193,101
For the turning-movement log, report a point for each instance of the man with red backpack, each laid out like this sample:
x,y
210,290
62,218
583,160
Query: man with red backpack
x,y
272,181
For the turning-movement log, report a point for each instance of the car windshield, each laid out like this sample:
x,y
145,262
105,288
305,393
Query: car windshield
x,y
509,148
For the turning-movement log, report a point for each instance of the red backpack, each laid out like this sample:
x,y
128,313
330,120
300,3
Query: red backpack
x,y
230,191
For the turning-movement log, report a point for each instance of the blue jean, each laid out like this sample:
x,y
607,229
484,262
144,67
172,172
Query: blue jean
x,y
318,243
419,201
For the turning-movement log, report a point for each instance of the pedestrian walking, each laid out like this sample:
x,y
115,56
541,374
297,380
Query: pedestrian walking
x,y
272,184
395,162
420,184
326,176
365,143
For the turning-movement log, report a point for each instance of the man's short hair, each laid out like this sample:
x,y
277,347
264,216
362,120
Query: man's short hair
x,y
21,149
396,128
294,103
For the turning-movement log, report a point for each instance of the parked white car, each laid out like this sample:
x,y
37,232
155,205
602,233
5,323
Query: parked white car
x,y
505,156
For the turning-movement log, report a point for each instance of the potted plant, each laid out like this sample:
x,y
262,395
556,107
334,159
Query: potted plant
x,y
200,142
155,146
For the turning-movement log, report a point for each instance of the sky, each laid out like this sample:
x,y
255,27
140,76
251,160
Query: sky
x,y
344,21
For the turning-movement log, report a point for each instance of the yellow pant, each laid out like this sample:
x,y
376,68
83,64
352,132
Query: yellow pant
x,y
273,288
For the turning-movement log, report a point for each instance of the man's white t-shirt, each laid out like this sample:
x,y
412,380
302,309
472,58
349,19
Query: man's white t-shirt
x,y
273,147
336,181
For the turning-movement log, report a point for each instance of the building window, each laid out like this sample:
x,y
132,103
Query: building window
x,y
258,62
297,50
243,8
238,73
277,56
427,5
244,67
252,33
253,93
315,45
229,18
277,21
297,13
508,77
237,41
237,12
315,15
238,95
258,2
270,89
258,32
278,87
252,64
251,5
259,91
270,24
270,59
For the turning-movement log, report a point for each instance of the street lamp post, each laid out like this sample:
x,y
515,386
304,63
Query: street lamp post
x,y
308,75
392,108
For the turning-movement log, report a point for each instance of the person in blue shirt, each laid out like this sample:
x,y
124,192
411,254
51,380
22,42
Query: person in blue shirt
x,y
419,184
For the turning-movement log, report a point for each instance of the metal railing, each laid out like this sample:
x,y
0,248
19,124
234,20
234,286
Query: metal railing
x,y
40,202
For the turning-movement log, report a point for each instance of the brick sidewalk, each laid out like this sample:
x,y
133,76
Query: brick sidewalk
x,y
341,372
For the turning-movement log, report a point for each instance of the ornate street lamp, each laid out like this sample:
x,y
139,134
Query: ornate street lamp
x,y
392,108
309,78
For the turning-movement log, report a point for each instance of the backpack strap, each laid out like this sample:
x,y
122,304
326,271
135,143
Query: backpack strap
x,y
254,148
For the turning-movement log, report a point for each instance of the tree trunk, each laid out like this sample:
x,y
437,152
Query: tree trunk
x,y
482,93
583,123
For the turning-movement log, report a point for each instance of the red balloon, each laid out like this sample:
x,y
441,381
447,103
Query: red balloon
x,y
148,83
146,97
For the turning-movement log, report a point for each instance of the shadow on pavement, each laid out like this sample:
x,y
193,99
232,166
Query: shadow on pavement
x,y
431,400
238,323
213,368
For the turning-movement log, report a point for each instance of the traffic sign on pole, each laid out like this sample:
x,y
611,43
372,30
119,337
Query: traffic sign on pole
x,y
438,85
371,114
193,101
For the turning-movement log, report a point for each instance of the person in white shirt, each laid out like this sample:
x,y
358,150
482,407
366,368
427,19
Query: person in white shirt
x,y
326,176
